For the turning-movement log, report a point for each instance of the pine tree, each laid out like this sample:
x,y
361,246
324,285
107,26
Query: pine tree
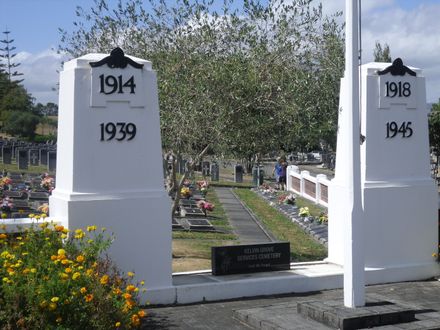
x,y
9,66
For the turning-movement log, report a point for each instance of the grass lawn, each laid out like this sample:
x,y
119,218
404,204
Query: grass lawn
x,y
302,246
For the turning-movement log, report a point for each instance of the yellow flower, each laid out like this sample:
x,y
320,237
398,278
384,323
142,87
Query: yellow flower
x,y
68,270
117,291
130,274
142,313
91,228
434,255
89,297
117,324
76,275
80,258
64,276
5,279
83,290
26,271
42,225
3,236
104,279
79,233
61,252
63,236
142,282
43,304
65,261
33,270
54,299
52,306
4,216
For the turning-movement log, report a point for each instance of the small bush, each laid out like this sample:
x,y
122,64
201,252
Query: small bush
x,y
52,279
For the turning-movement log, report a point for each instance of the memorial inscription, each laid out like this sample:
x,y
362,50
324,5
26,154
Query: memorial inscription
x,y
239,259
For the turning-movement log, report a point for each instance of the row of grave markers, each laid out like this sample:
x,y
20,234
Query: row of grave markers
x,y
29,157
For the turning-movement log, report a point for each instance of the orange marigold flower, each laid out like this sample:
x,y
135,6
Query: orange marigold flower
x,y
80,258
130,288
129,303
53,258
89,297
117,291
135,320
3,236
142,313
83,290
68,270
59,228
127,296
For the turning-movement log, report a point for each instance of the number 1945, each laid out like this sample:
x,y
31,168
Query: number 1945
x,y
405,129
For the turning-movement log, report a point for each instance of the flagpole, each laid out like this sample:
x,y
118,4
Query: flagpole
x,y
354,259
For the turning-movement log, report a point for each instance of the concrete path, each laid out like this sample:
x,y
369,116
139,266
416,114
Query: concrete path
x,y
245,226
279,312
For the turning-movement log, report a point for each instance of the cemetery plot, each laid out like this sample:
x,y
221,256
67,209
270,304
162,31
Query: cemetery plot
x,y
199,224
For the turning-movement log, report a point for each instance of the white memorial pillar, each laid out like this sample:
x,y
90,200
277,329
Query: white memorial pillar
x,y
109,163
399,196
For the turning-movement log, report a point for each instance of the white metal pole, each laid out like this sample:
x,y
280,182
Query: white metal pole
x,y
354,259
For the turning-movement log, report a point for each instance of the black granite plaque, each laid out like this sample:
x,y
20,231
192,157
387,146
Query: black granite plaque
x,y
240,259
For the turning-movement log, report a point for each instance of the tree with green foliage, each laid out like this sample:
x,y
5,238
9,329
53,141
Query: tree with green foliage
x,y
434,131
7,55
234,82
382,54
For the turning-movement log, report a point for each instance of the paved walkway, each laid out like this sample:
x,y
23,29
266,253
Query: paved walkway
x,y
244,225
279,312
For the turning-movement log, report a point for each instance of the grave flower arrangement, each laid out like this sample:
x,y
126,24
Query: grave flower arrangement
x,y
53,279
304,212
5,182
205,206
323,218
203,187
185,192
266,189
48,183
287,199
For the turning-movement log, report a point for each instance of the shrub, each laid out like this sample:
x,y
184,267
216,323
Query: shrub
x,y
53,279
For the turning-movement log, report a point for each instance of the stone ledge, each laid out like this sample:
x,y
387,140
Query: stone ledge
x,y
375,313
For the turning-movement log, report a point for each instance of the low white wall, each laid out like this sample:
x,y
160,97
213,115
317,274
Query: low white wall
x,y
303,184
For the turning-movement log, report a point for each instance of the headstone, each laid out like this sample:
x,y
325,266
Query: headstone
x,y
250,258
215,172
109,164
238,173
205,168
400,199
51,161
34,157
23,159
7,155
43,156
182,166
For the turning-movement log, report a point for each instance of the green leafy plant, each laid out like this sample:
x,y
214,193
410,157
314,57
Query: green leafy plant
x,y
55,279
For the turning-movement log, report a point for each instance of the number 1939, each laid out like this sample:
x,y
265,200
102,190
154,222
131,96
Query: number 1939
x,y
119,131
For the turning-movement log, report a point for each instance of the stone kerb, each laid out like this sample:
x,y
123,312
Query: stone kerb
x,y
109,163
